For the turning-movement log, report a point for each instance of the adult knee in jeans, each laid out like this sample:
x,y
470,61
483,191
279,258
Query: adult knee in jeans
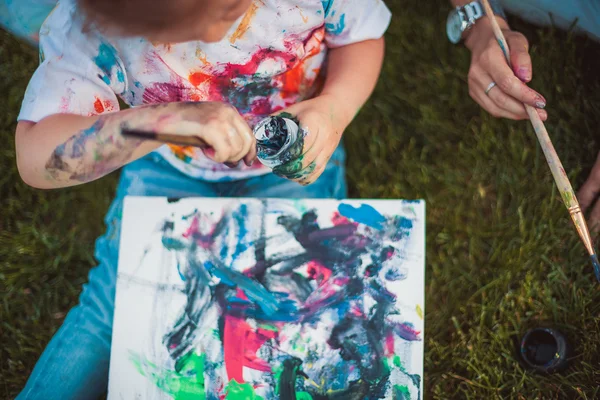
x,y
585,14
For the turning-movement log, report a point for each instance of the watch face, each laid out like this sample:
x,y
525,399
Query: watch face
x,y
454,27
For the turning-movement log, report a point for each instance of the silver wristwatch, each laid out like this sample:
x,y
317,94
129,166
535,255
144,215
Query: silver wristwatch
x,y
462,18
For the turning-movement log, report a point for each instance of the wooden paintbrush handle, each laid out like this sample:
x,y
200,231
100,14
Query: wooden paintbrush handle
x,y
558,172
168,138
560,176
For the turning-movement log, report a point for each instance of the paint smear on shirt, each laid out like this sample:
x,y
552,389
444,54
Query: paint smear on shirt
x,y
245,24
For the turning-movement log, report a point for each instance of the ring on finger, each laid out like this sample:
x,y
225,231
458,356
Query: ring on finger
x,y
490,87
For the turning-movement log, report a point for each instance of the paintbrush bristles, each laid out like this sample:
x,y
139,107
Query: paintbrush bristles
x,y
596,265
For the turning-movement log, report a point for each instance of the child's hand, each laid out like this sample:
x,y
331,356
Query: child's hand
x,y
323,128
228,136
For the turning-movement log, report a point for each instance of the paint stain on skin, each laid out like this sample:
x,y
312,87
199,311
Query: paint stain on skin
x,y
365,214
246,21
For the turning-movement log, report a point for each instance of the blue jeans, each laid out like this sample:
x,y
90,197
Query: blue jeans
x,y
75,362
561,13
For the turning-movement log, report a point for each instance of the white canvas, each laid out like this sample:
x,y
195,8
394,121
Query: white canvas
x,y
269,299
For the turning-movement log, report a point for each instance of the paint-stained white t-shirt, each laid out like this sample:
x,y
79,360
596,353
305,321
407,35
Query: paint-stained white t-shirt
x,y
271,58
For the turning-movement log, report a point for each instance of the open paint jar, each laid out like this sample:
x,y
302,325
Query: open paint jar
x,y
278,141
545,350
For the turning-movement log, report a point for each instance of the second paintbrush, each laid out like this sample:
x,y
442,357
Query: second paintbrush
x,y
560,176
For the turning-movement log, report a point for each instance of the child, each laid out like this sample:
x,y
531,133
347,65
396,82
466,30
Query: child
x,y
209,68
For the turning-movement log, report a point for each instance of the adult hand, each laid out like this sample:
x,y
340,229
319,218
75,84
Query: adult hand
x,y
488,65
589,193
322,126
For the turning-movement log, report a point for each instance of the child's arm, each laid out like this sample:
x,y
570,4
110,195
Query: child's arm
x,y
67,149
354,35
352,73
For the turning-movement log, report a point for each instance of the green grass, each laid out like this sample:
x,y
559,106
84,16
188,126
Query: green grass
x,y
501,253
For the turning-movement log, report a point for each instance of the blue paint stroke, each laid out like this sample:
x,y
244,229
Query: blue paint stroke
x,y
503,48
183,278
337,29
403,227
106,60
173,244
365,214
327,6
406,331
596,265
251,288
241,215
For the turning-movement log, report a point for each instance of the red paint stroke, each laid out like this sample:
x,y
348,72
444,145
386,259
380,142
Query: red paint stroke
x,y
194,226
241,84
407,332
338,219
293,81
204,240
98,107
389,254
325,291
341,281
198,78
357,312
240,344
389,343
318,272
166,92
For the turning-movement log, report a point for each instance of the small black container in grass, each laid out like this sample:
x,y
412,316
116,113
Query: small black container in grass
x,y
545,350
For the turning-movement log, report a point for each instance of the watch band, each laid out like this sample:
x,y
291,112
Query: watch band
x,y
473,11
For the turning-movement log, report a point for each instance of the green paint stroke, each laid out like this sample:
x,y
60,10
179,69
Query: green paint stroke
x,y
277,371
401,392
287,115
240,391
567,198
398,363
186,382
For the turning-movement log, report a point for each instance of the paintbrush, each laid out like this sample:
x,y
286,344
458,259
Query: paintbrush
x,y
170,138
560,176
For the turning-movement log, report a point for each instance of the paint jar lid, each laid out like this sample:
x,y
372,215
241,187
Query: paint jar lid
x,y
274,137
545,350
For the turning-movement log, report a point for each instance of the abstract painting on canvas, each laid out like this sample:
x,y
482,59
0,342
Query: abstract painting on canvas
x,y
269,299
